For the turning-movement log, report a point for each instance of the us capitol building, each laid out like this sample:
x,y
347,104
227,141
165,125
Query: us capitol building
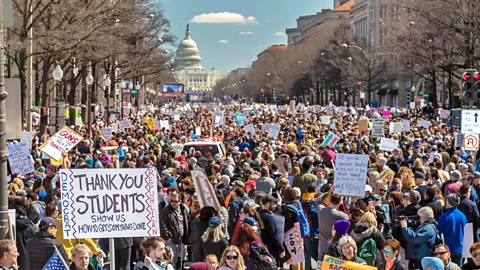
x,y
189,71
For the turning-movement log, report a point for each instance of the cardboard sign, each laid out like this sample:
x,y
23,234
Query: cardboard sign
x,y
293,242
61,142
125,124
350,174
363,125
19,158
206,194
330,262
104,203
388,144
378,129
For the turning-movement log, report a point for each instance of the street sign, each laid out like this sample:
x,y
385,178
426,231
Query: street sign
x,y
470,142
470,121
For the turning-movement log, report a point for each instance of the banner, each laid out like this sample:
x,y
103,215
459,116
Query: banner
x,y
61,142
104,203
350,174
107,133
125,124
330,262
206,194
294,244
19,158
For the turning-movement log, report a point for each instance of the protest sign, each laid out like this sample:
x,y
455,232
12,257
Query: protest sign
x,y
378,127
363,125
61,142
27,137
107,133
176,117
206,194
274,130
150,123
164,124
19,158
239,119
125,124
325,119
444,114
189,115
424,123
293,243
467,240
249,128
387,144
104,203
331,140
330,263
198,131
219,121
396,127
406,125
350,174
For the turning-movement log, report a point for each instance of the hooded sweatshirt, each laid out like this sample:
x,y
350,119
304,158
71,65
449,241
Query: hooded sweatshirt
x,y
265,184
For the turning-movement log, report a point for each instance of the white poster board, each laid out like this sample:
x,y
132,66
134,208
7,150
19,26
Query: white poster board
x,y
125,124
396,127
378,125
107,133
467,240
164,124
61,142
325,119
104,203
350,174
205,192
406,125
27,137
293,242
424,123
387,144
274,130
249,128
19,158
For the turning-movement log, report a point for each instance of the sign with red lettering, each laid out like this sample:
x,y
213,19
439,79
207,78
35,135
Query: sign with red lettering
x,y
60,143
293,242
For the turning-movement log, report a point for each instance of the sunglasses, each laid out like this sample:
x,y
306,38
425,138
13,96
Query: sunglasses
x,y
383,190
440,253
174,201
475,254
231,257
387,251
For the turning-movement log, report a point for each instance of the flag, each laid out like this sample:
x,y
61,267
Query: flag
x,y
56,262
331,140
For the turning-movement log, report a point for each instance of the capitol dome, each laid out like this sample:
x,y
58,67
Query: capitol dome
x,y
188,55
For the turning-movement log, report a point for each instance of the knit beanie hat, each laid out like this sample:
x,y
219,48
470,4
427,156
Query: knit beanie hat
x,y
453,199
433,263
341,226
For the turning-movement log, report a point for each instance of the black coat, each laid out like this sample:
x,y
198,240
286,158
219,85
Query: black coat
x,y
470,210
169,226
198,227
24,231
398,265
410,210
437,209
270,236
41,248
217,248
364,231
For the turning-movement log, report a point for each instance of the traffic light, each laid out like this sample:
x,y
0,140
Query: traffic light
x,y
262,91
425,96
134,91
359,84
468,84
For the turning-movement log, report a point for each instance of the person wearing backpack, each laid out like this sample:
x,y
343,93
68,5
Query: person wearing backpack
x,y
254,252
36,209
294,213
369,239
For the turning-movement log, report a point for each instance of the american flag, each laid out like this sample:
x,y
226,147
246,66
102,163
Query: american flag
x,y
56,262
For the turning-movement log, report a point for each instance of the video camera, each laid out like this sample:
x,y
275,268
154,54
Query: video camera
x,y
412,221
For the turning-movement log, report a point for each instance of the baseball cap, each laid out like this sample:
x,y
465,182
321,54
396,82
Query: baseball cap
x,y
269,198
214,222
456,173
238,183
419,175
249,220
250,184
48,222
476,175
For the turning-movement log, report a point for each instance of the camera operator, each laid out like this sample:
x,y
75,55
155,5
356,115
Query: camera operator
x,y
420,241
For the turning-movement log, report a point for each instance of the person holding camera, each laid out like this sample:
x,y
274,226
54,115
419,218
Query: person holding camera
x,y
411,200
420,241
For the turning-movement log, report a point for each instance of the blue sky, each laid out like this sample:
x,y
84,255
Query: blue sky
x,y
223,45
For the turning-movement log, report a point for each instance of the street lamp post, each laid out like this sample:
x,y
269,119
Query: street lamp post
x,y
122,86
106,87
369,69
57,77
89,81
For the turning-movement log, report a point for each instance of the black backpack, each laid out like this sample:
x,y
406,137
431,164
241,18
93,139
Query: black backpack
x,y
262,259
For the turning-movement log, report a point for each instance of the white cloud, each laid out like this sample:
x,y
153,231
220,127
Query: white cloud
x,y
247,33
223,41
224,17
280,34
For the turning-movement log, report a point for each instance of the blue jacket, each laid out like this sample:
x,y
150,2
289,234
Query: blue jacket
x,y
451,224
421,242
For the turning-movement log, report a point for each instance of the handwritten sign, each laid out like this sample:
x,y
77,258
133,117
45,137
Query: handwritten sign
x,y
444,114
378,125
107,132
350,174
396,127
406,125
249,128
388,144
206,194
60,143
293,242
125,124
105,203
363,125
27,137
325,119
150,123
274,130
19,158
330,262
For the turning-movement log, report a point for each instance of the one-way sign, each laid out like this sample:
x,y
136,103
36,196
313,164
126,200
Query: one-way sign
x,y
470,121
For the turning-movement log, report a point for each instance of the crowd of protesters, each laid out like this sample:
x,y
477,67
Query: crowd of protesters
x,y
418,197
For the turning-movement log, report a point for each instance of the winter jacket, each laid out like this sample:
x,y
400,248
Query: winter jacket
x,y
198,227
265,184
470,265
451,224
420,243
89,267
68,244
397,265
355,259
169,226
332,250
34,211
210,247
233,214
364,231
409,210
271,237
470,210
41,248
437,209
24,230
